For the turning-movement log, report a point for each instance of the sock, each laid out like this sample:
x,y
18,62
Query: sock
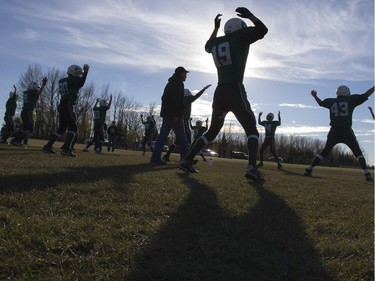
x,y
196,148
252,147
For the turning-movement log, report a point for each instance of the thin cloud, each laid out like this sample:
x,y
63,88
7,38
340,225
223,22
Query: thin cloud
x,y
296,105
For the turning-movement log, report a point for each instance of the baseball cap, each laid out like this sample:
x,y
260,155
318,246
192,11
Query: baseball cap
x,y
180,69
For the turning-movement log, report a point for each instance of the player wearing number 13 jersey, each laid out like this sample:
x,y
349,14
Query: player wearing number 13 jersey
x,y
341,111
230,55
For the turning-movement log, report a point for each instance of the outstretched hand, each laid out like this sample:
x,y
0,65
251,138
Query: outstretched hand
x,y
217,20
314,93
14,87
44,82
243,12
260,113
86,68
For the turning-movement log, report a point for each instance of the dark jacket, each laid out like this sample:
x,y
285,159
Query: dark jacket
x,y
172,101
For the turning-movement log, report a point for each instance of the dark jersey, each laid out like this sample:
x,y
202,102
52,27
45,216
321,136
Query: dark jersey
x,y
270,128
112,130
100,113
230,53
341,109
149,126
69,88
10,107
30,98
198,131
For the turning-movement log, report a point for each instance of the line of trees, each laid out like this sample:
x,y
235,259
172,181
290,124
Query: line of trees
x,y
126,113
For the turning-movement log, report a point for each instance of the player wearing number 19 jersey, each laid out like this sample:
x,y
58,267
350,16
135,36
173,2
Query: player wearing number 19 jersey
x,y
341,112
230,54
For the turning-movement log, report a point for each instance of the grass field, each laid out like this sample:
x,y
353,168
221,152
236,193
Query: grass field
x,y
116,217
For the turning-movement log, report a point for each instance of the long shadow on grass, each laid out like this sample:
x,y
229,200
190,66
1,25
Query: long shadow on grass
x,y
201,242
119,174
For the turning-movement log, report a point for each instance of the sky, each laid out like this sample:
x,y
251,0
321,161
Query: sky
x,y
134,46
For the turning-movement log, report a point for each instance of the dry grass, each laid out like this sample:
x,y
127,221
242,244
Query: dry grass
x,y
117,217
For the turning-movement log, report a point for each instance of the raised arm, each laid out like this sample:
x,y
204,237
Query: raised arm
x,y
245,13
369,92
44,82
279,115
260,114
315,95
217,22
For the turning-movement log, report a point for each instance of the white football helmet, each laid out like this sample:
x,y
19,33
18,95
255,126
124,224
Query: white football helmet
x,y
187,93
33,86
233,24
103,103
343,91
75,70
270,116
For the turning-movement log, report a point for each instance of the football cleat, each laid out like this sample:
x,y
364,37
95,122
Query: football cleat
x,y
158,162
67,152
47,149
279,167
16,143
253,174
166,158
307,173
260,164
368,177
187,166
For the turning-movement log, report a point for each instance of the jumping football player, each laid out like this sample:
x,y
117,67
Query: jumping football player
x,y
341,111
68,89
198,131
30,98
100,113
10,110
269,138
230,55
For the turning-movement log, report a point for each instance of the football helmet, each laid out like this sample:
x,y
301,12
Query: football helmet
x,y
75,70
198,123
33,86
343,91
187,93
270,116
233,24
103,102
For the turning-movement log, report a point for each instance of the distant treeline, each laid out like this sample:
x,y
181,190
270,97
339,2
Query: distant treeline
x,y
125,111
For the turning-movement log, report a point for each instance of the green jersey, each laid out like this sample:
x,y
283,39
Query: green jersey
x,y
230,53
341,109
30,98
69,88
100,113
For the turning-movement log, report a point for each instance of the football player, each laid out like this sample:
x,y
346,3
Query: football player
x,y
269,138
100,111
341,111
10,110
30,98
68,89
112,132
198,131
230,55
150,125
